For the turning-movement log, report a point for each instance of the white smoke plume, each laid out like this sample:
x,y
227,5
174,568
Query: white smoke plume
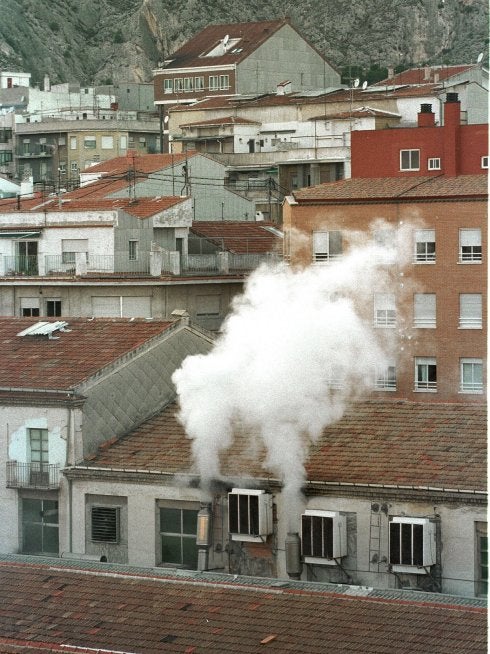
x,y
297,347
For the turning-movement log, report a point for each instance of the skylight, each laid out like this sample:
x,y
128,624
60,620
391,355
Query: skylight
x,y
43,328
224,46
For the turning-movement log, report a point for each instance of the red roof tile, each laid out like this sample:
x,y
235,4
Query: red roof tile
x,y
396,188
359,112
229,120
37,362
69,609
425,74
147,163
239,237
441,445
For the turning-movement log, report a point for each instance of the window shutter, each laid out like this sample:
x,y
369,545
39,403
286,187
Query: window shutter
x,y
320,242
424,310
425,235
74,245
470,237
105,524
470,309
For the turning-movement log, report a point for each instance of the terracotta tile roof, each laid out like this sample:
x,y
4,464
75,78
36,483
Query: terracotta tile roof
x,y
37,362
70,609
396,188
251,36
425,74
147,163
229,120
441,445
359,112
239,237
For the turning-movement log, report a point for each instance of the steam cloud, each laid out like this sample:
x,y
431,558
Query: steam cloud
x,y
297,347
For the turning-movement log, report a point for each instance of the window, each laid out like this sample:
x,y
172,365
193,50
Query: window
x,y
425,374
188,84
323,536
199,83
53,308
26,145
412,543
178,529
6,156
470,311
61,140
142,141
481,558
224,82
105,524
124,142
470,245
326,246
89,142
384,310
424,310
29,306
168,86
74,167
107,142
434,163
471,375
40,526
249,514
39,457
425,246
409,159
208,305
385,378
484,161
62,167
213,82
73,142
178,85
133,250
69,248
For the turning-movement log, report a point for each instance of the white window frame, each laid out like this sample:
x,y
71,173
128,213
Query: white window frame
x,y
434,163
410,164
199,83
188,84
73,142
428,545
333,526
90,142
470,238
323,243
178,85
74,167
384,310
214,82
385,378
424,310
484,162
133,249
427,366
475,386
224,82
168,85
424,237
470,311
107,142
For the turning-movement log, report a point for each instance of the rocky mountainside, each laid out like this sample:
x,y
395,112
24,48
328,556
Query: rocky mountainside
x,y
106,41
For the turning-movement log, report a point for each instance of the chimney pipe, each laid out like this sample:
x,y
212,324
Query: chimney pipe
x,y
451,134
293,555
426,117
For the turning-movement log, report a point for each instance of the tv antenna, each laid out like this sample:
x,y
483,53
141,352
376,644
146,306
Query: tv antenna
x,y
225,41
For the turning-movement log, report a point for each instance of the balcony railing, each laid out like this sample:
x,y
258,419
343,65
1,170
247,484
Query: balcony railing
x,y
21,265
32,475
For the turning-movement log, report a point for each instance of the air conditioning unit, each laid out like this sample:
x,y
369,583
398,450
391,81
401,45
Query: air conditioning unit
x,y
412,544
323,536
249,514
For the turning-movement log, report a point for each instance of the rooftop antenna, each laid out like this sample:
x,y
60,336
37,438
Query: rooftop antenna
x,y
364,85
480,58
225,42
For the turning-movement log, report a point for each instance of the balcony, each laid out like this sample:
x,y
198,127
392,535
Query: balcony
x,y
32,475
22,264
35,150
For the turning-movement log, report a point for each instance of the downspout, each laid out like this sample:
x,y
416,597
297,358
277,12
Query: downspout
x,y
70,460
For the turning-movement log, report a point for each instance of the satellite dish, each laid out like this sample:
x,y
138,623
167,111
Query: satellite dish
x,y
225,40
364,85
356,82
165,120
480,57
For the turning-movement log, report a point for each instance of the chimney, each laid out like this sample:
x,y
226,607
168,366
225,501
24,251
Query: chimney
x,y
391,72
284,88
47,83
427,71
426,117
451,134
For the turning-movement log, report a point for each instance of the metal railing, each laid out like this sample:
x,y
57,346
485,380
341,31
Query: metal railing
x,y
32,475
21,265
199,264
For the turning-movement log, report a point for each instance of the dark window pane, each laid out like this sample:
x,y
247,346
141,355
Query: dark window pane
x,y
243,514
432,373
394,543
406,544
335,243
170,521
317,523
32,538
50,540
189,521
254,515
233,513
415,159
328,537
418,544
189,553
50,512
171,549
32,510
306,526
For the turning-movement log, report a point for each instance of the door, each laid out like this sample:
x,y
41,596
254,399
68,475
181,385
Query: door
x,y
26,257
39,473
40,527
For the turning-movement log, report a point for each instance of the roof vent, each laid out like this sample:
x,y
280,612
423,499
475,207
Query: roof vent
x,y
45,329
425,108
452,97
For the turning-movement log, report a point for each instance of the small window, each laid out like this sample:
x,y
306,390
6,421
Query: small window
x,y
89,142
249,514
188,84
425,246
384,310
471,376
434,163
199,83
105,524
481,558
425,374
409,159
208,306
385,378
178,84
214,82
168,86
412,543
484,162
61,140
123,142
470,245
424,310
107,142
133,250
74,167
29,306
323,536
73,142
470,311
6,156
224,82
178,529
327,246
53,308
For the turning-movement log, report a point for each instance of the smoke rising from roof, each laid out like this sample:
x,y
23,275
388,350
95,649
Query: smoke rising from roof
x,y
297,347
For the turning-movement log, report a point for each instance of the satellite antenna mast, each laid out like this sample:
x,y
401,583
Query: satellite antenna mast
x,y
364,85
480,58
225,42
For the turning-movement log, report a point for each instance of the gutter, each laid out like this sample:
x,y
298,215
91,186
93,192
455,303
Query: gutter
x,y
433,489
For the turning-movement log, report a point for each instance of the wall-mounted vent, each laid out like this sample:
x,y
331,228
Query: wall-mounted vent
x,y
323,536
249,514
412,544
105,524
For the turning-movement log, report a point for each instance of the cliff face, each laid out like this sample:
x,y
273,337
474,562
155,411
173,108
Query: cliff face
x,y
105,41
